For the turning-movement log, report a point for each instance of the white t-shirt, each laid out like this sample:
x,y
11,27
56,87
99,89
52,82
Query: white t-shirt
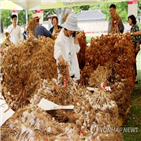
x,y
15,33
66,47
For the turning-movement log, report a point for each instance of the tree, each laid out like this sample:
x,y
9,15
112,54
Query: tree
x,y
121,7
94,7
48,12
105,9
122,10
22,16
5,15
139,6
139,11
78,9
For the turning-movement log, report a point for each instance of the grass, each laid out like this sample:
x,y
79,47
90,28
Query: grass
x,y
88,38
134,116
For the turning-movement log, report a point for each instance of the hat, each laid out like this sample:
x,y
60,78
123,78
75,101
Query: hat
x,y
54,16
37,17
71,23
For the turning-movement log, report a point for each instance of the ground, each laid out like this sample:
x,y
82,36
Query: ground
x,y
133,120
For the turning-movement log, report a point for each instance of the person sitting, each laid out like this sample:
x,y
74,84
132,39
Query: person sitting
x,y
40,30
56,28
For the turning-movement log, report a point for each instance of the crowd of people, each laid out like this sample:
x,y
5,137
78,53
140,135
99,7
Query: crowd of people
x,y
67,45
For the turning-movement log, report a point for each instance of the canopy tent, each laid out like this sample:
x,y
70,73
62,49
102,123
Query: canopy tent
x,y
71,3
9,5
27,4
48,4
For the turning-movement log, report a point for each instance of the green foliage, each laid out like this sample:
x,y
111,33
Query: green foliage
x,y
6,17
48,12
22,16
139,6
105,9
134,116
121,7
139,25
78,9
94,7
30,14
122,10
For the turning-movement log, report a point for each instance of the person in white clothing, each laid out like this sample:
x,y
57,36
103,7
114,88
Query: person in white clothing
x,y
67,45
14,30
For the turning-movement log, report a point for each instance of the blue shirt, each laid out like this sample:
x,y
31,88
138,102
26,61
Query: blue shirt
x,y
24,34
42,31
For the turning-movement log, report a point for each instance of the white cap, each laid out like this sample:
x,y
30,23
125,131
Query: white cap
x,y
71,23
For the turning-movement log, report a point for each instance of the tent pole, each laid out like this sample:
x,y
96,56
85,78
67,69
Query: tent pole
x,y
26,17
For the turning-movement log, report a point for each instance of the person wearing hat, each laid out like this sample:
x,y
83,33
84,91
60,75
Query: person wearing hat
x,y
40,30
67,45
56,28
14,30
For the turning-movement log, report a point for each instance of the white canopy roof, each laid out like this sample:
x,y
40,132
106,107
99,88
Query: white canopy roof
x,y
27,4
46,4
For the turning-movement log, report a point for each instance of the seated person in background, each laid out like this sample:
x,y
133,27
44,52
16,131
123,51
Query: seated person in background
x,y
56,28
40,30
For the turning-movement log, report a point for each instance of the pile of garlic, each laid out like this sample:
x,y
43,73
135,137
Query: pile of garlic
x,y
53,90
121,94
96,112
32,123
23,66
92,112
